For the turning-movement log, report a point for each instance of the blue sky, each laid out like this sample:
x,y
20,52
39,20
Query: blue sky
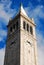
x,y
34,9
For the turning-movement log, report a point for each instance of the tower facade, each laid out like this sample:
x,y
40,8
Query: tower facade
x,y
21,48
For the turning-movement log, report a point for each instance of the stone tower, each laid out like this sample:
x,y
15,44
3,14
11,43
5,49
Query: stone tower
x,y
21,48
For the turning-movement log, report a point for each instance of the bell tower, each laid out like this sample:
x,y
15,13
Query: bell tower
x,y
21,48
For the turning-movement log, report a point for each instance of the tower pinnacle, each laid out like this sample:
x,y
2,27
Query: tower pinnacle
x,y
22,10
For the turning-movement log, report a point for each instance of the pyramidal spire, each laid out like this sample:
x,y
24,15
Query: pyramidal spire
x,y
22,10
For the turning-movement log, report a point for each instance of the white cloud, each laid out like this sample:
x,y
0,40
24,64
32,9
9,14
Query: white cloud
x,y
5,2
40,56
4,15
1,39
39,0
35,12
3,33
40,43
2,54
3,8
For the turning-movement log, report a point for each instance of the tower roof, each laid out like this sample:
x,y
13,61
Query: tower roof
x,y
23,14
22,10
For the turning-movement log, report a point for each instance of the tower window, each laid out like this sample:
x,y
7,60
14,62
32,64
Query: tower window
x,y
10,29
31,30
12,43
24,25
27,27
16,25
